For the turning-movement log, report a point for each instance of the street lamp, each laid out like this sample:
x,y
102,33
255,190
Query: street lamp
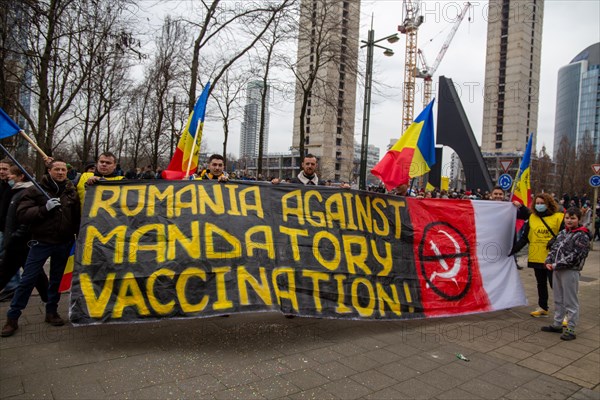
x,y
370,43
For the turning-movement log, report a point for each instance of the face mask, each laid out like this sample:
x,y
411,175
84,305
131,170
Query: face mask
x,y
540,208
11,183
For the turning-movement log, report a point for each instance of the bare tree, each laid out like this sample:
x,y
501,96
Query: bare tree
x,y
216,29
565,161
166,68
61,38
227,97
586,156
542,176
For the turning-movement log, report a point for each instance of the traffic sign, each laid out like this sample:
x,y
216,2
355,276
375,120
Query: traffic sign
x,y
596,169
505,164
595,181
505,181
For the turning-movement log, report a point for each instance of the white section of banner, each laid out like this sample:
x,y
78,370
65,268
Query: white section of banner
x,y
495,224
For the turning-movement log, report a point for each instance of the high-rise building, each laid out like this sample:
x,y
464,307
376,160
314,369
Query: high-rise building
x,y
328,49
512,75
249,136
372,160
578,100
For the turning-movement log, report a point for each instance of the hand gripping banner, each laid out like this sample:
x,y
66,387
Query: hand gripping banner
x,y
193,249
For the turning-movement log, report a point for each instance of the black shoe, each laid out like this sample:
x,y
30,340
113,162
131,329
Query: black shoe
x,y
568,335
552,328
54,319
7,295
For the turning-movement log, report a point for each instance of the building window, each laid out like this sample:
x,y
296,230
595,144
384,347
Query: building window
x,y
498,145
339,130
338,141
306,139
337,166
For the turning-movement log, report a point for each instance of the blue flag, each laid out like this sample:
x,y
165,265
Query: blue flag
x,y
8,127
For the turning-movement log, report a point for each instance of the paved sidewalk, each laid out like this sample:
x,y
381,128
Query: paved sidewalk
x,y
256,356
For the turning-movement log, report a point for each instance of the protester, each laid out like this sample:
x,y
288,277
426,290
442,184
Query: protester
x,y
5,193
543,225
105,169
586,216
308,174
148,173
17,236
54,223
566,259
523,212
215,170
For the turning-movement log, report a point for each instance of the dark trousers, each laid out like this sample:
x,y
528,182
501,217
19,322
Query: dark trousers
x,y
15,257
38,254
543,277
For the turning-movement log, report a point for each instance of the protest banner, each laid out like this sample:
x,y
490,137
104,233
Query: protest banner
x,y
183,249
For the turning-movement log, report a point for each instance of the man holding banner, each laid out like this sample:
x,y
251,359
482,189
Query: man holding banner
x,y
54,224
106,166
215,170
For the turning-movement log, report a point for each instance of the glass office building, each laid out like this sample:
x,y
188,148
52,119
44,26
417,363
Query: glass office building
x,y
578,100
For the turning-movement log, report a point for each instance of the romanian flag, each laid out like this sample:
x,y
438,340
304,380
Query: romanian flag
x,y
65,282
8,127
189,142
522,185
412,155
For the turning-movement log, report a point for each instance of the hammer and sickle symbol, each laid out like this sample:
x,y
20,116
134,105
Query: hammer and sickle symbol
x,y
450,273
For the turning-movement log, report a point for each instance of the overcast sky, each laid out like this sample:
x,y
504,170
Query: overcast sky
x,y
569,26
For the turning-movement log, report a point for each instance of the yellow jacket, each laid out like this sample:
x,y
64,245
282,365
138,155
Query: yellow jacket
x,y
539,236
82,185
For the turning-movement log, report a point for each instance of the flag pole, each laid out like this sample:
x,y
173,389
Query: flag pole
x,y
196,138
412,182
514,185
14,160
34,144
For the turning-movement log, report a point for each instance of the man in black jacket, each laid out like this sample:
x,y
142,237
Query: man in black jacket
x,y
54,224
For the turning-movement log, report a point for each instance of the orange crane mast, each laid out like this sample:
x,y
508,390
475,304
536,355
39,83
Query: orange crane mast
x,y
410,27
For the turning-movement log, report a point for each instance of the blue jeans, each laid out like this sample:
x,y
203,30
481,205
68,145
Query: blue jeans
x,y
38,254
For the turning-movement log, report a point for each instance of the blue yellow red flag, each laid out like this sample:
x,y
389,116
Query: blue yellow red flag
x,y
189,142
412,155
521,190
65,282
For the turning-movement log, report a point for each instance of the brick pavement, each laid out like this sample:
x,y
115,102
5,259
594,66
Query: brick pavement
x,y
266,356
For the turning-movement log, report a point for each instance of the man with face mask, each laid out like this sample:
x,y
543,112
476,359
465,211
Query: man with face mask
x,y
5,192
54,223
16,238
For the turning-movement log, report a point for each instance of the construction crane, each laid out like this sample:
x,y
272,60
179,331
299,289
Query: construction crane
x,y
426,72
410,26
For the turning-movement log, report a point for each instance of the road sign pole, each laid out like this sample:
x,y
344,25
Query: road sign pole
x,y
594,204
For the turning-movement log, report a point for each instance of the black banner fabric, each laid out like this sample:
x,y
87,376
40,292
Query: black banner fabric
x,y
190,249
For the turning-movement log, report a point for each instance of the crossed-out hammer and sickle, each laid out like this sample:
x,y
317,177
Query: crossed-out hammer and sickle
x,y
450,273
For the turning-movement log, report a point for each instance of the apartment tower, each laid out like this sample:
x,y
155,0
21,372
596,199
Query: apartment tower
x,y
326,86
512,75
249,135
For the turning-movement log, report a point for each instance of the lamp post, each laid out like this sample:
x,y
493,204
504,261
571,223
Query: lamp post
x,y
370,44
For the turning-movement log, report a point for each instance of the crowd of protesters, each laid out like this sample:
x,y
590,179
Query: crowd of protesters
x,y
36,226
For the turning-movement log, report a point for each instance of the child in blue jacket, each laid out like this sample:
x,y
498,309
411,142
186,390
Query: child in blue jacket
x,y
566,259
